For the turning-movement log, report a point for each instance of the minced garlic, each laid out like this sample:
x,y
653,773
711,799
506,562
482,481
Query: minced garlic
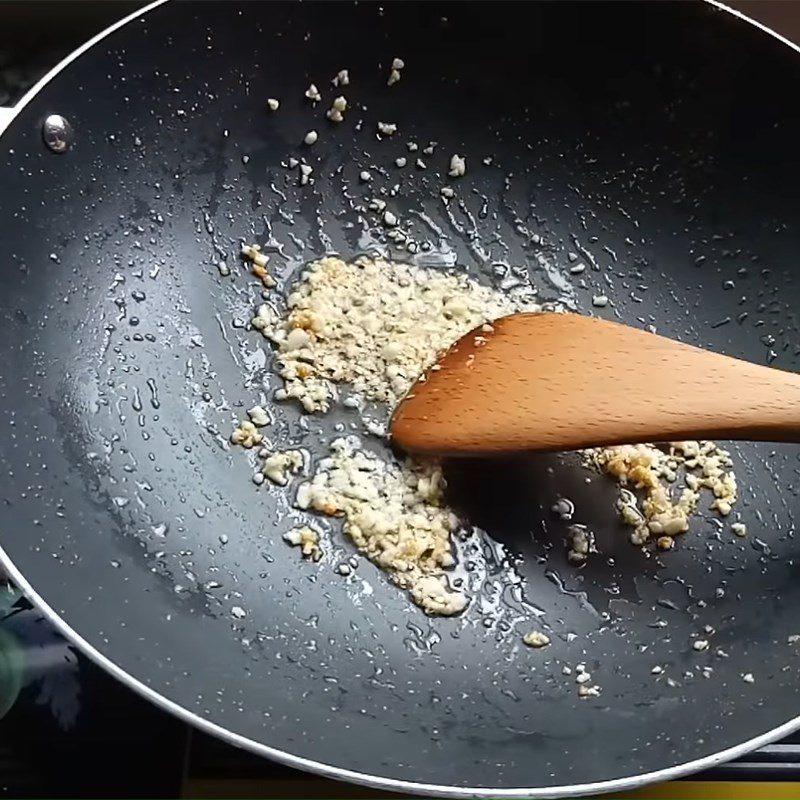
x,y
246,435
372,324
652,470
307,539
278,467
394,515
536,639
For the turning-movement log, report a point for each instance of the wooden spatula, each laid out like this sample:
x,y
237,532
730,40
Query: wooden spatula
x,y
563,381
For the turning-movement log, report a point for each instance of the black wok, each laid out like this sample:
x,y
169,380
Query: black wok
x,y
657,142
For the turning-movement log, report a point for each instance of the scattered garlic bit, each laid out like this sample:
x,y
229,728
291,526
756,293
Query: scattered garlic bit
x,y
246,435
583,678
258,416
307,539
373,324
394,74
336,112
389,219
387,128
293,162
273,104
311,137
748,677
342,78
458,166
665,543
365,176
430,148
650,469
253,254
447,192
536,639
394,515
699,645
401,161
599,301
279,466
580,544
312,93
739,528
412,147
305,174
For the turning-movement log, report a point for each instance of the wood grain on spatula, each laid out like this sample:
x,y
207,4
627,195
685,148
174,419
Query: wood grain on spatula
x,y
563,381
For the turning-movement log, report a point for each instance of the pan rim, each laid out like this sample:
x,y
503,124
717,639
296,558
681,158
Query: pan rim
x,y
318,767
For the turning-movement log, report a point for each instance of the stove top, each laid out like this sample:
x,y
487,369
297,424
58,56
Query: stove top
x,y
67,729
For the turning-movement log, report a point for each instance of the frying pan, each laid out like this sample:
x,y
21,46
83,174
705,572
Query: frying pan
x,y
656,142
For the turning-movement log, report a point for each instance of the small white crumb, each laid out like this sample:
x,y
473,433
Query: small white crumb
x,y
307,539
238,612
577,269
246,435
259,260
565,670
665,543
394,77
420,164
793,639
536,639
398,63
312,93
387,128
293,162
413,147
599,301
700,644
365,176
252,252
336,112
429,149
447,192
739,528
344,569
273,104
588,691
279,466
258,416
458,166
748,677
487,161
311,137
389,219
582,677
305,172
342,78
401,161
656,670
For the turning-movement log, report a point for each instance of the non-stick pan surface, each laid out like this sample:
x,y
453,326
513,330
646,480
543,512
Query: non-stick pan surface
x,y
657,142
